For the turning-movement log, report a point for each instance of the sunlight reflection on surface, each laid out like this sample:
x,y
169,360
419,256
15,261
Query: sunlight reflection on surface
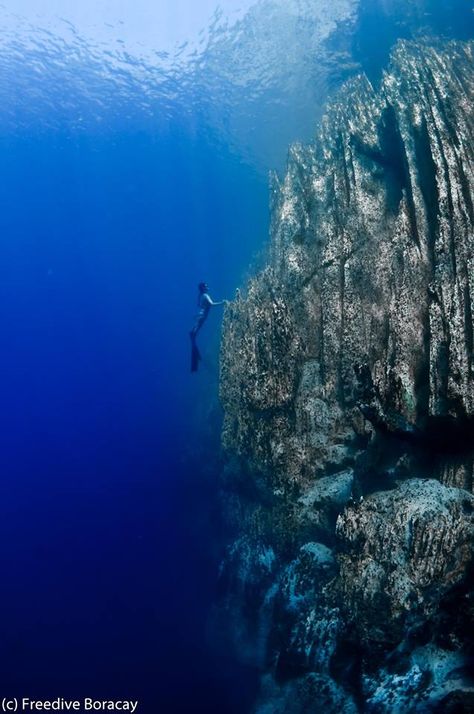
x,y
254,76
222,80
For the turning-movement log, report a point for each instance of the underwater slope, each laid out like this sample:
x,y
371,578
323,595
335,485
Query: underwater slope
x,y
348,388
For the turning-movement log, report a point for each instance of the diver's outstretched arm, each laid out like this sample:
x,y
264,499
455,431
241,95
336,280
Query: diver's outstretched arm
x,y
215,304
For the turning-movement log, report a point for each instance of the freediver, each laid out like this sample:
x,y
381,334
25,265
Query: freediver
x,y
205,302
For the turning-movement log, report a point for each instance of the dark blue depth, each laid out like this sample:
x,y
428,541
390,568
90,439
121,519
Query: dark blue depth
x,y
109,531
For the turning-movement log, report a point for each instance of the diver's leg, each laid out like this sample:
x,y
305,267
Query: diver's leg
x,y
195,354
199,323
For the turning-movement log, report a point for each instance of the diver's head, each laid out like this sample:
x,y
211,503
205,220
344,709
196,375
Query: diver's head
x,y
203,288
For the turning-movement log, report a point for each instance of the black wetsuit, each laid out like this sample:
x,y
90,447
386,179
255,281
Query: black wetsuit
x,y
204,303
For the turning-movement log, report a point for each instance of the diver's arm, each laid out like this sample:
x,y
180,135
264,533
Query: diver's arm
x,y
214,304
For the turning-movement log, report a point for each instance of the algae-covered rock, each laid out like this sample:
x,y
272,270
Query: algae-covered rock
x,y
401,552
347,384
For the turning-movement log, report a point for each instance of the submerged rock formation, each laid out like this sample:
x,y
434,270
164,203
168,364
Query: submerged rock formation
x,y
348,388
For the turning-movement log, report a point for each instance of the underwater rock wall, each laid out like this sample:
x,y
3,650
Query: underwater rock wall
x,y
348,388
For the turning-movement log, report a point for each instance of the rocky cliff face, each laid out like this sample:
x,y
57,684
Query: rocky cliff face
x,y
348,388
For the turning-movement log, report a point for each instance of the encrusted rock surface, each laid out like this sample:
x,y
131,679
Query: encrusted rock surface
x,y
424,532
348,388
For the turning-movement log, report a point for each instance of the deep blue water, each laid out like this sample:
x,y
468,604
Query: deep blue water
x,y
112,208
105,532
